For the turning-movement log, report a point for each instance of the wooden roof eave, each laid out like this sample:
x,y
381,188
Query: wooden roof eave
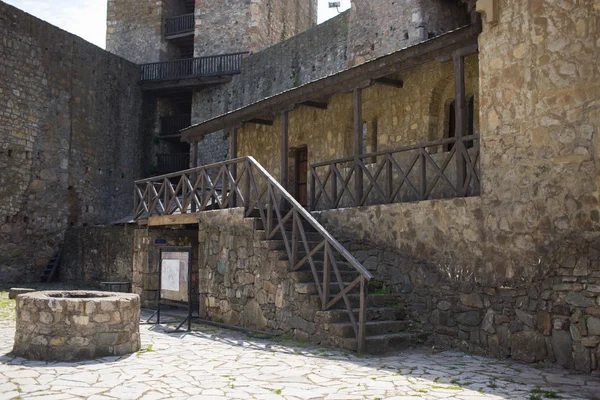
x,y
462,41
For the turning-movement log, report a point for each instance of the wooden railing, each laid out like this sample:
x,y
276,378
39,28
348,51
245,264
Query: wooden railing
x,y
168,163
180,24
224,64
172,124
245,183
440,169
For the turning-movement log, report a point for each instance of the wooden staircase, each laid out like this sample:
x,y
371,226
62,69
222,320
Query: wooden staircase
x,y
386,327
51,270
324,272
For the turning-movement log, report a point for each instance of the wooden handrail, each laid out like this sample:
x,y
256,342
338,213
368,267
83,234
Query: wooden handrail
x,y
243,182
332,181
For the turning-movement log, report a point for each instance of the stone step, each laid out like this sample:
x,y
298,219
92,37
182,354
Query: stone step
x,y
288,226
304,275
373,300
310,236
374,328
311,288
383,343
373,314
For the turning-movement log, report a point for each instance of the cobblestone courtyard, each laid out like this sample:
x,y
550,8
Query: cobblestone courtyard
x,y
215,364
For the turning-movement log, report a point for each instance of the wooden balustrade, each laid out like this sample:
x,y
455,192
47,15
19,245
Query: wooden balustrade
x,y
180,24
224,64
243,182
412,173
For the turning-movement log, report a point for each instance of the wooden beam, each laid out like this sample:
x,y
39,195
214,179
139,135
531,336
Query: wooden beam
x,y
397,83
233,154
460,109
176,219
285,122
260,121
314,104
401,60
358,144
233,143
194,154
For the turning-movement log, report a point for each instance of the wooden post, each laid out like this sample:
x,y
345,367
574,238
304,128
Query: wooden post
x,y
460,109
362,316
358,145
233,146
193,176
285,121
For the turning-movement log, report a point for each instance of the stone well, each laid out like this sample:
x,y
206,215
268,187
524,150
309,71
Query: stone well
x,y
76,325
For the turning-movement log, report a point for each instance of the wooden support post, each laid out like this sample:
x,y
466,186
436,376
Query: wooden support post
x,y
285,121
193,176
358,145
362,316
461,121
233,146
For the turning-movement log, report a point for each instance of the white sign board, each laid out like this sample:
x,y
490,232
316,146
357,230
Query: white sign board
x,y
170,275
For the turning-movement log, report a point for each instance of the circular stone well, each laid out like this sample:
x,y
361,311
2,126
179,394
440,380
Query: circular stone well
x,y
76,325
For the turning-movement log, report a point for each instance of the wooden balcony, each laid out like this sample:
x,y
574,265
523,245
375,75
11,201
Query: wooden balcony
x,y
169,163
171,125
191,72
182,25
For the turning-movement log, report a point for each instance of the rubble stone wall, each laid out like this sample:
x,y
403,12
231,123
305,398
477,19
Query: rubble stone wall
x,y
70,124
98,254
553,319
232,26
146,251
378,28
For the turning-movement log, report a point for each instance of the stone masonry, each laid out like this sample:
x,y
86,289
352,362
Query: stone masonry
x,y
71,139
76,325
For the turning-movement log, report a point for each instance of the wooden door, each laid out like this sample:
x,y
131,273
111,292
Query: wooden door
x,y
302,176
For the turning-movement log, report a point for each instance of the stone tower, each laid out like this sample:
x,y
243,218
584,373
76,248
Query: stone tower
x,y
138,29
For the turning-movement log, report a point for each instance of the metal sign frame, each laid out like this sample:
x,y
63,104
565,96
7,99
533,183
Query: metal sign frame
x,y
164,302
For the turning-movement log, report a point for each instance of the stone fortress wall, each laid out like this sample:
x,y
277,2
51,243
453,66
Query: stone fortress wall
x,y
70,147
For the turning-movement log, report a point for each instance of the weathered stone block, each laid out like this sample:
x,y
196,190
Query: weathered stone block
x,y
528,346
14,292
593,326
472,300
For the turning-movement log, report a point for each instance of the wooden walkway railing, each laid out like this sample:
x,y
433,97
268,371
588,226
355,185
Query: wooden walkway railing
x,y
179,25
412,173
243,182
224,64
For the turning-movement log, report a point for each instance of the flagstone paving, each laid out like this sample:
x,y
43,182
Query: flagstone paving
x,y
211,363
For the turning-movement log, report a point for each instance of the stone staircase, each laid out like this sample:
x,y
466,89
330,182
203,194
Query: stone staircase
x,y
387,329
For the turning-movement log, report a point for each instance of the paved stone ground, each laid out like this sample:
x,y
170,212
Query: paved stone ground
x,y
211,363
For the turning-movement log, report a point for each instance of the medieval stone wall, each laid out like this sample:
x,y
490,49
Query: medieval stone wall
x,y
98,254
378,28
71,133
232,26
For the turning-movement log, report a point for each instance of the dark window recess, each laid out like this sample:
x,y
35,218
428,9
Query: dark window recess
x,y
470,122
